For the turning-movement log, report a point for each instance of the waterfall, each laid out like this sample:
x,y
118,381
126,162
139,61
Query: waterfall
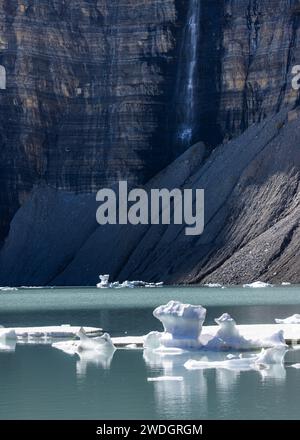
x,y
186,86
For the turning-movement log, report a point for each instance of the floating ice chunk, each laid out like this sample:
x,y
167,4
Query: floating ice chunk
x,y
286,284
165,379
271,356
99,343
275,340
228,336
213,285
6,288
231,356
131,346
297,366
104,282
182,324
257,285
152,341
295,319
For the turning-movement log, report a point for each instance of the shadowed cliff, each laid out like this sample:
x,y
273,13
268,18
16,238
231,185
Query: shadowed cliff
x,y
100,91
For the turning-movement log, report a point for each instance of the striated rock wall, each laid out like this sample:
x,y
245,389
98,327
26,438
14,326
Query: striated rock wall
x,y
88,89
94,95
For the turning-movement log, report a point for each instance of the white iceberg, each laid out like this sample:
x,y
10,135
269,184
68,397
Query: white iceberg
x,y
105,284
228,336
258,285
86,343
183,330
182,324
286,284
295,319
296,366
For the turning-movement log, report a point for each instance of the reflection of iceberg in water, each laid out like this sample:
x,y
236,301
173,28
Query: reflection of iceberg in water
x,y
92,358
7,345
172,397
269,363
215,367
8,340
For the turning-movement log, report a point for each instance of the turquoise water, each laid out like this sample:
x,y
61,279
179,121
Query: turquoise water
x,y
41,382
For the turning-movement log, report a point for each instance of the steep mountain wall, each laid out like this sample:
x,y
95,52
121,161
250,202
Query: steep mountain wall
x,y
99,90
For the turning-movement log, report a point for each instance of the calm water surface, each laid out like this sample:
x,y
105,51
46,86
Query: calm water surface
x,y
41,382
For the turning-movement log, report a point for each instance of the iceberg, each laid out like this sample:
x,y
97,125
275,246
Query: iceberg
x,y
295,319
184,330
258,285
98,351
228,336
105,284
182,324
296,366
101,343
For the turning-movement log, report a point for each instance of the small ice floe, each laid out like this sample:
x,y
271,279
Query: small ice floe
x,y
98,350
258,285
86,343
286,284
182,324
296,366
105,284
213,285
165,379
295,319
264,360
6,288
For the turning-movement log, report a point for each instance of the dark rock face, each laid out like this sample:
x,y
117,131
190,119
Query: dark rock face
x,y
252,222
94,95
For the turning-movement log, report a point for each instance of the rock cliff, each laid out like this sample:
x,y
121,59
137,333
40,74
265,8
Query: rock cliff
x,y
100,91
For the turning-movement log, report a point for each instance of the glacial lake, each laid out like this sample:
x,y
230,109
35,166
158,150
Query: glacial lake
x,y
40,382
